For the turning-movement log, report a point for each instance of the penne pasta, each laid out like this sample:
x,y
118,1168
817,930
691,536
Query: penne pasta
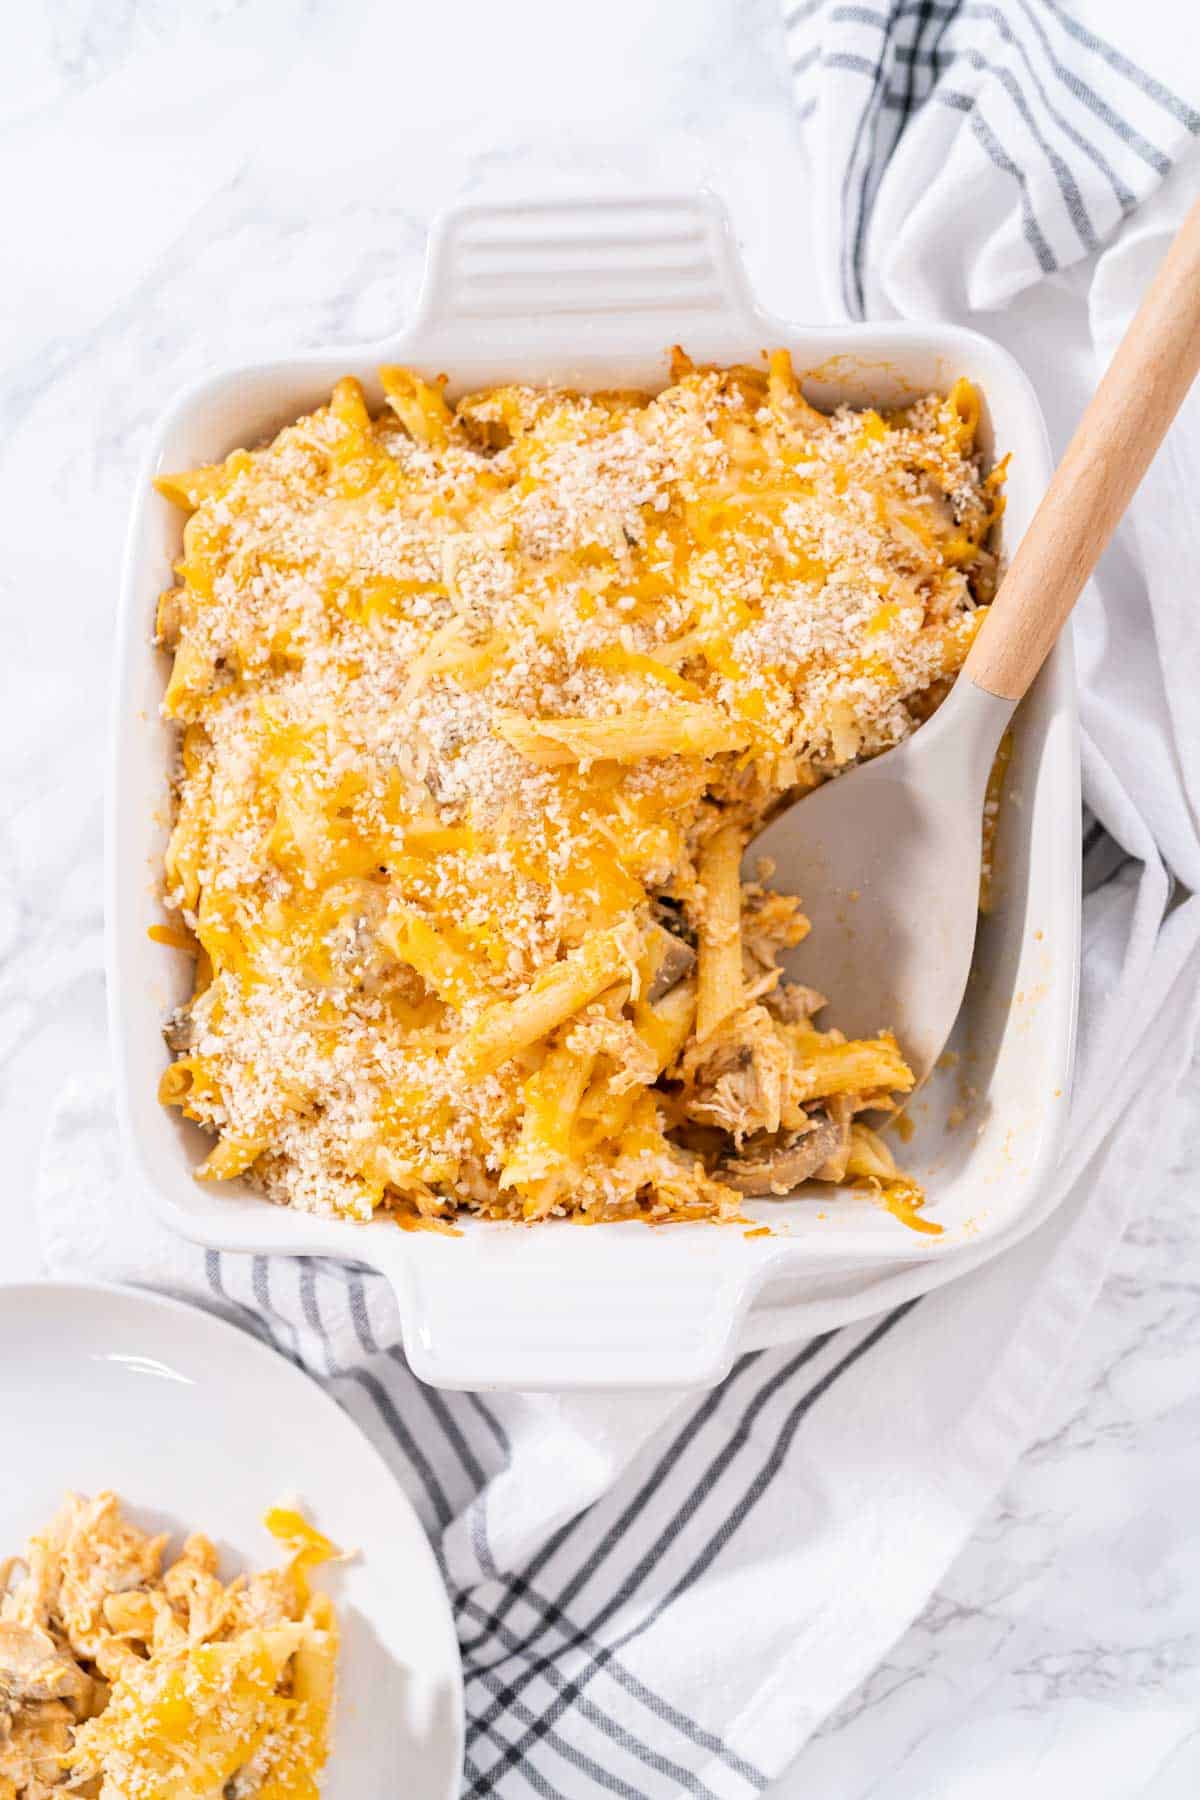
x,y
552,1097
232,1156
682,729
871,1066
719,969
558,993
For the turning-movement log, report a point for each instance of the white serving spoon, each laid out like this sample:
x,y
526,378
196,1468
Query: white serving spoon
x,y
886,858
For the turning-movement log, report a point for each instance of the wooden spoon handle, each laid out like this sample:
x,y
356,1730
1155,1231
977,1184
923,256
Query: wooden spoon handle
x,y
1126,420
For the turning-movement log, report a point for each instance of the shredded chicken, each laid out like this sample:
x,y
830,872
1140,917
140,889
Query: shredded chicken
x,y
738,1078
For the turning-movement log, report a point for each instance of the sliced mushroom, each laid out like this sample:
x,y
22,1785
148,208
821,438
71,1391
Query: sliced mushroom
x,y
674,960
792,1002
179,1031
777,1164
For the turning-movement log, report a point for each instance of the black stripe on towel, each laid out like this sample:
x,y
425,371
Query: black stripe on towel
x,y
733,1521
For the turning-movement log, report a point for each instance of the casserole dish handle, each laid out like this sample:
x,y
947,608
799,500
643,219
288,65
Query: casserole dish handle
x,y
550,277
514,1313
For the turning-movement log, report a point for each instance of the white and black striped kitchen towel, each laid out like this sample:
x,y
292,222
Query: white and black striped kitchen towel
x,y
964,149
660,1596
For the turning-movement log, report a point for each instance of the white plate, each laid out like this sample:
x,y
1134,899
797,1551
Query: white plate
x,y
591,294
197,1425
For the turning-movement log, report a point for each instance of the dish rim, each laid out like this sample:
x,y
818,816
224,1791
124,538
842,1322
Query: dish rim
x,y
416,1263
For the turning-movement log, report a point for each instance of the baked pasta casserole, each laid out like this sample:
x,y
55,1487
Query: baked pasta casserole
x,y
479,706
122,1679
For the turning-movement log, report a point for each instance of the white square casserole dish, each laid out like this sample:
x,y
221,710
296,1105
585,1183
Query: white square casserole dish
x,y
592,294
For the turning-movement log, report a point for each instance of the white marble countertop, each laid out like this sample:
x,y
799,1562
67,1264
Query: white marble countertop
x,y
188,185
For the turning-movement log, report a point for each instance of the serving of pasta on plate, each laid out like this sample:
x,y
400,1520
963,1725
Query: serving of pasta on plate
x,y
479,708
123,1676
